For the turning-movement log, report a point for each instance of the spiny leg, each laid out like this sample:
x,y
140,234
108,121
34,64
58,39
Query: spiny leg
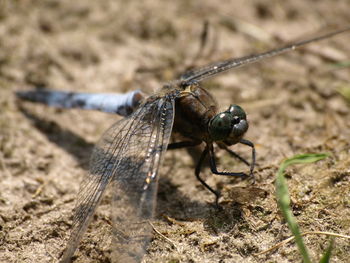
x,y
183,144
214,169
236,155
197,172
252,164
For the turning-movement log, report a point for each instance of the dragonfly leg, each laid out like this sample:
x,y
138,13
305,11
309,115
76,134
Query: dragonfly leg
x,y
214,169
236,155
183,144
197,172
252,164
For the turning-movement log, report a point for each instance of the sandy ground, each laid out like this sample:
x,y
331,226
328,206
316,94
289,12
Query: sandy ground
x,y
292,101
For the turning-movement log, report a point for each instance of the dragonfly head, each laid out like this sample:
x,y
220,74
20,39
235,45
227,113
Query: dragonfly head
x,y
229,126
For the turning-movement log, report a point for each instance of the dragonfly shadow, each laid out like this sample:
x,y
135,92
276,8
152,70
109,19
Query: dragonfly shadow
x,y
174,206
174,203
72,143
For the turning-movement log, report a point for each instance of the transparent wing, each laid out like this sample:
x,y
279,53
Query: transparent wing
x,y
128,155
218,67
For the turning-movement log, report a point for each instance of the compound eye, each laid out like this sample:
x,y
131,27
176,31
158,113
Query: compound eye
x,y
220,126
223,121
238,112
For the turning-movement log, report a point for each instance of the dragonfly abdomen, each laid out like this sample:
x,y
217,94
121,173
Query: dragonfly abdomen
x,y
122,104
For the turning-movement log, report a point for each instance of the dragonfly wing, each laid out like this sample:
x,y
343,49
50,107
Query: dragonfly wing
x,y
135,184
208,71
129,155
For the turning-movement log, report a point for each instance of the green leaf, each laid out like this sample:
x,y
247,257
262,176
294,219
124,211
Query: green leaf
x,y
283,198
343,64
327,255
345,92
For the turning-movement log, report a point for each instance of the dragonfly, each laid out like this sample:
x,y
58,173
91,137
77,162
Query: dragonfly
x,y
129,154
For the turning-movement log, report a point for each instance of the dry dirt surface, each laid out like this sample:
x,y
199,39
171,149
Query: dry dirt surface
x,y
293,105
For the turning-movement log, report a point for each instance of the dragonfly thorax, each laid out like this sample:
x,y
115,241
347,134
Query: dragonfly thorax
x,y
229,126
